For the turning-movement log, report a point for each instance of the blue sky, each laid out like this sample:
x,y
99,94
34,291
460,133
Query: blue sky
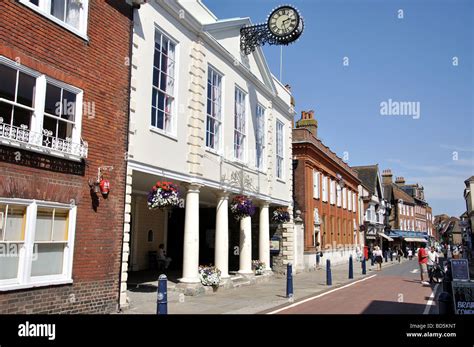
x,y
409,59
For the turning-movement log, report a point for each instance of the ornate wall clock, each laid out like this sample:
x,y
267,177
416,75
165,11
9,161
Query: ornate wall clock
x,y
284,26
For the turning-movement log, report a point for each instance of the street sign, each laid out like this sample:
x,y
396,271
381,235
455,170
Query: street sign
x,y
460,269
463,294
275,245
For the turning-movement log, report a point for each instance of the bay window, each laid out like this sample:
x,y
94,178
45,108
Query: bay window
x,y
36,243
214,109
39,113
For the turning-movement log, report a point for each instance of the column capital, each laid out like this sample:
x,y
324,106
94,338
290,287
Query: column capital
x,y
193,187
222,194
264,204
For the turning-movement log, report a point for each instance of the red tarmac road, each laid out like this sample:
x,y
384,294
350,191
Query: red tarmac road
x,y
396,290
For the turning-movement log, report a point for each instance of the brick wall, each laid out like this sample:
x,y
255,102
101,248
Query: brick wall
x,y
100,68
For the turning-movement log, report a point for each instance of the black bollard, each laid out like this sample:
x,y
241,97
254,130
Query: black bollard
x,y
351,269
391,256
364,267
445,304
162,297
318,259
328,273
289,281
372,260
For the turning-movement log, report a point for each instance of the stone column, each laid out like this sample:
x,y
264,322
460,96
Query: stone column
x,y
245,260
264,236
221,255
191,236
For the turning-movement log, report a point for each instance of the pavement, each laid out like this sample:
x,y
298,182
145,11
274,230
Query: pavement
x,y
270,295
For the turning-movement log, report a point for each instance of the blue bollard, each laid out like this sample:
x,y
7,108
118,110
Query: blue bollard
x,y
318,259
364,267
328,273
351,269
289,281
162,299
386,256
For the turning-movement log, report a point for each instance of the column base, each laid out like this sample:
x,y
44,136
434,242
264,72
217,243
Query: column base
x,y
245,272
190,280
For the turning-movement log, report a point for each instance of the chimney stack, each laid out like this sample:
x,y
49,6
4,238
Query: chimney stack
x,y
400,181
307,121
387,177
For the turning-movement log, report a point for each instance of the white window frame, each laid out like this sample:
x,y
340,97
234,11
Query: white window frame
x,y
24,278
354,204
260,162
316,184
37,118
172,132
349,200
332,192
44,5
280,149
344,198
243,119
325,188
219,136
338,195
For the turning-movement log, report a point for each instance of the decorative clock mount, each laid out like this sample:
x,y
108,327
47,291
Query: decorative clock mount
x,y
284,26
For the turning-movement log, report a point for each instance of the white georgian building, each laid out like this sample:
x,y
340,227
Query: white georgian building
x,y
213,121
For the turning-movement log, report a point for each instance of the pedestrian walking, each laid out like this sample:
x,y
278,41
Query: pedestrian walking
x,y
432,261
423,261
410,254
378,254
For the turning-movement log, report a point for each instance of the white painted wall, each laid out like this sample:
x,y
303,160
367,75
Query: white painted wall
x,y
152,149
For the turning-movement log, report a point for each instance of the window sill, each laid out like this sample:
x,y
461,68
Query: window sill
x,y
213,151
16,286
165,134
59,22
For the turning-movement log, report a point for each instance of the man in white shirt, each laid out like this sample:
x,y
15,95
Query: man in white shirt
x,y
432,260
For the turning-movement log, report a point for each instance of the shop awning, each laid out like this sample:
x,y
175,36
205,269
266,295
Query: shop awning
x,y
386,237
414,239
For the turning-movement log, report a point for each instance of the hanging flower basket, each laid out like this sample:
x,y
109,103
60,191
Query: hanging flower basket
x,y
242,207
210,276
281,215
258,266
163,194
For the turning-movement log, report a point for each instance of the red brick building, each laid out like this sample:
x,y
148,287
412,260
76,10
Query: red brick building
x,y
64,96
326,192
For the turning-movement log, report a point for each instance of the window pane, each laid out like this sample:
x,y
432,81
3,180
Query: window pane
x,y
68,106
44,224
58,8
53,100
171,52
7,82
48,260
156,76
9,259
160,119
73,13
26,89
64,130
60,227
153,116
21,117
6,112
15,223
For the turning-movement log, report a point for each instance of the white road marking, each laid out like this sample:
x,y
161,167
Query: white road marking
x,y
320,295
431,300
414,271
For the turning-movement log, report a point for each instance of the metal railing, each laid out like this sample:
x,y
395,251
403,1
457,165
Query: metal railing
x,y
44,141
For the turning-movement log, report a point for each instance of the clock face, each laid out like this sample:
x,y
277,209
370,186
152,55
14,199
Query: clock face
x,y
284,21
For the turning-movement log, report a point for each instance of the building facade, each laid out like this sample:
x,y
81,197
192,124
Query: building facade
x,y
216,123
326,193
469,218
375,206
64,94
